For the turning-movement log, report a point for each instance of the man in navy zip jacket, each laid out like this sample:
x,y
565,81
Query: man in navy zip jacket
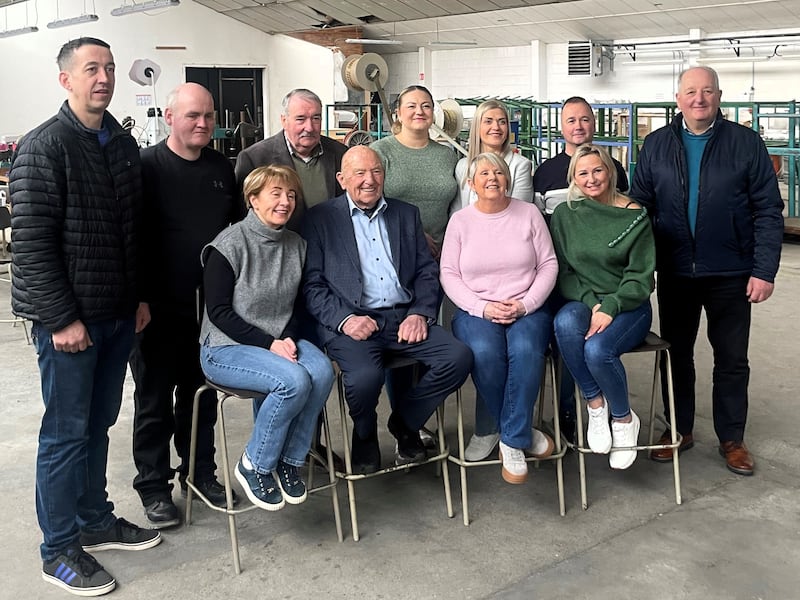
x,y
717,216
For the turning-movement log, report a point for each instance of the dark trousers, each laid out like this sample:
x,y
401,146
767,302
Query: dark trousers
x,y
680,301
446,363
165,363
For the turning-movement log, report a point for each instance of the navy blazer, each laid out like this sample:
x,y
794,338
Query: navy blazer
x,y
274,151
333,283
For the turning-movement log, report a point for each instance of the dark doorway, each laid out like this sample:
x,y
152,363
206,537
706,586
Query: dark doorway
x,y
238,94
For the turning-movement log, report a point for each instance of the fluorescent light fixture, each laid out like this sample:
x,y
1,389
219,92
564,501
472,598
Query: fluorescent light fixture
x,y
373,42
127,9
72,21
20,31
666,61
443,43
732,59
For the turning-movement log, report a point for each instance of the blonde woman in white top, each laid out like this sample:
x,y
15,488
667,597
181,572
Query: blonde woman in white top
x,y
490,132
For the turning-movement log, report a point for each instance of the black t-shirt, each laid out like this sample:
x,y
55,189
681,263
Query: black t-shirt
x,y
186,204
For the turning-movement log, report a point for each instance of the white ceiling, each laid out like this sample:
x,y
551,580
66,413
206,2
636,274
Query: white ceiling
x,y
493,23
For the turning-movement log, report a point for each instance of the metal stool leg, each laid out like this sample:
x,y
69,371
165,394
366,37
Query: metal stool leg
x,y
443,462
226,476
462,461
332,474
581,459
193,452
676,470
348,465
557,434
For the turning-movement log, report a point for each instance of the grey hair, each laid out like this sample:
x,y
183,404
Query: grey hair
x,y
494,160
709,70
300,93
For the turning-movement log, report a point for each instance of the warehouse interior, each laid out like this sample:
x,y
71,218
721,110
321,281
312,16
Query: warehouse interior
x,y
731,537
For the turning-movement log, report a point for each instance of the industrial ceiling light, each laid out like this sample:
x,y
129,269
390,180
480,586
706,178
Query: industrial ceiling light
x,y
373,42
127,9
456,43
732,59
72,21
20,31
666,61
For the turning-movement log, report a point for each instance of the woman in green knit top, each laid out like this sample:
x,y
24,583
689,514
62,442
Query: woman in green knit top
x,y
606,258
419,170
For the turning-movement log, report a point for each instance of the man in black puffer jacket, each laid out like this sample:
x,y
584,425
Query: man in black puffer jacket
x,y
76,193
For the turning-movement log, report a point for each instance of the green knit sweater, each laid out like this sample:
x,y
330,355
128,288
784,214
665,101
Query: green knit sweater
x,y
606,255
424,177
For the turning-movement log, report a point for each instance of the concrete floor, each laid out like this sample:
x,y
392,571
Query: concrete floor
x,y
733,537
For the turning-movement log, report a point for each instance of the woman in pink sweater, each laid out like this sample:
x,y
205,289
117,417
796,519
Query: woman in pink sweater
x,y
498,267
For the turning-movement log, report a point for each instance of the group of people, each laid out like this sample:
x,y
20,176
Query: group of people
x,y
256,277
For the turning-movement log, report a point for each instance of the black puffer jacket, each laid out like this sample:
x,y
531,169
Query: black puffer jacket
x,y
75,214
739,227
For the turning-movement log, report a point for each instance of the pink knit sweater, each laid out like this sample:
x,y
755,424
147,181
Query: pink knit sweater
x,y
501,256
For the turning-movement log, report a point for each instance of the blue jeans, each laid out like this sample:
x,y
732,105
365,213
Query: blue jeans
x,y
82,394
595,363
507,370
292,396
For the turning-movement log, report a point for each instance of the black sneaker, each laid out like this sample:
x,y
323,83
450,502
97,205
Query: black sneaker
x,y
78,573
409,447
293,488
262,490
567,423
365,457
213,490
122,535
161,514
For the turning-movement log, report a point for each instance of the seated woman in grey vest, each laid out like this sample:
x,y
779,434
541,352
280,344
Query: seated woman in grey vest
x,y
251,279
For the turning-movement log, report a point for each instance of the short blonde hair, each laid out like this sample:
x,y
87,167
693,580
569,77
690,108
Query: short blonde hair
x,y
259,177
494,160
586,150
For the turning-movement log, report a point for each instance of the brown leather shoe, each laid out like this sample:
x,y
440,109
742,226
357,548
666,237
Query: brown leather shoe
x,y
738,457
665,454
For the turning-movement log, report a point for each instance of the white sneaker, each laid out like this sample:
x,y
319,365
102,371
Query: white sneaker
x,y
624,434
542,445
480,447
599,434
515,469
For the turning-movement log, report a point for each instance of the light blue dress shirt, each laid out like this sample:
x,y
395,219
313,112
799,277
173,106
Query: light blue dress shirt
x,y
382,288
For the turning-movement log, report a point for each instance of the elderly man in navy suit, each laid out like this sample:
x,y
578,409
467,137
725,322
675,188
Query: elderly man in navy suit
x,y
373,287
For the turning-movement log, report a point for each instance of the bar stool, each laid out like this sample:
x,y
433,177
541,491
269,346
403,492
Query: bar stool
x,y
652,343
440,458
557,455
223,395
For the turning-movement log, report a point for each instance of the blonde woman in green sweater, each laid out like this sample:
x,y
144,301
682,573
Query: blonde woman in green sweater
x,y
606,256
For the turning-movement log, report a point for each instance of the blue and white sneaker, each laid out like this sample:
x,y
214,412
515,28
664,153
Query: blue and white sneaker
x,y
293,488
262,490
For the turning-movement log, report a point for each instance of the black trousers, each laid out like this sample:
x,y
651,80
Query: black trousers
x,y
724,299
165,363
446,364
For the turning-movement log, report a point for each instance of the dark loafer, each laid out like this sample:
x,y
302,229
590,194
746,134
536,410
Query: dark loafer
x,y
737,457
665,454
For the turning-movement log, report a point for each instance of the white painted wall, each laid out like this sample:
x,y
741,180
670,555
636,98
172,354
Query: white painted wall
x,y
509,72
31,93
